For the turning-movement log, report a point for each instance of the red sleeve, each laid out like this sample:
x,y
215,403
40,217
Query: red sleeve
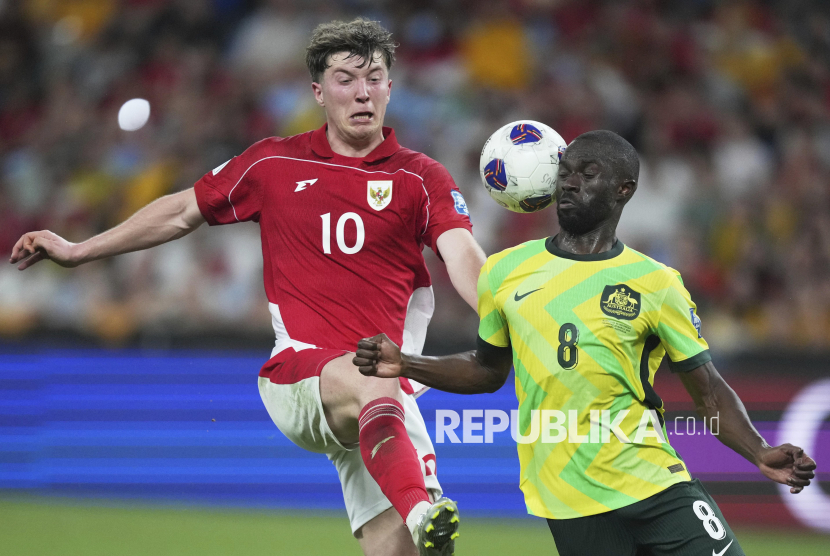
x,y
446,208
231,192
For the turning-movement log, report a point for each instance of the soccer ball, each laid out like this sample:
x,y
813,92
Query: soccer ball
x,y
519,163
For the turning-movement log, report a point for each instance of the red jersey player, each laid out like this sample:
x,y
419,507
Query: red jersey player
x,y
331,204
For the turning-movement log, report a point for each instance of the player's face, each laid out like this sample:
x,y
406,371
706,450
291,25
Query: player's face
x,y
354,98
584,191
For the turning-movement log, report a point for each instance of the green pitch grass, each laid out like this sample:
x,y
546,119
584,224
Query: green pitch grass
x,y
50,527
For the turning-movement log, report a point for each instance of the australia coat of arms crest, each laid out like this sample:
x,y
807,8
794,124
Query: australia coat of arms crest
x,y
620,302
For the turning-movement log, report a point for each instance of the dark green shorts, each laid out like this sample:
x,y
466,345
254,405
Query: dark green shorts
x,y
682,520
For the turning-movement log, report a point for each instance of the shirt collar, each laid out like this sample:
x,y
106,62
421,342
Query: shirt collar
x,y
320,146
615,250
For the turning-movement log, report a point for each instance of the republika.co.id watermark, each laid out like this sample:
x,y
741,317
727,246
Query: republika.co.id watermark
x,y
479,426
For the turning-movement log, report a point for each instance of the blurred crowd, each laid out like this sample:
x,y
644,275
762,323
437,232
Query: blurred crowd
x,y
727,101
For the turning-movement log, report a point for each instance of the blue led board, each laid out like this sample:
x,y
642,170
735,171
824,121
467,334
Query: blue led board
x,y
190,427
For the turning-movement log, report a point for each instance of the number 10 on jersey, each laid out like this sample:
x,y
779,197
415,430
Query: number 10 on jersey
x,y
340,233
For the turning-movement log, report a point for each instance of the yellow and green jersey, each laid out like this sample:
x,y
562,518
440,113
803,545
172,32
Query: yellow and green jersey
x,y
588,333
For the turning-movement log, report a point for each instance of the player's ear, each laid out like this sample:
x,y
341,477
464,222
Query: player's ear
x,y
389,91
626,190
318,93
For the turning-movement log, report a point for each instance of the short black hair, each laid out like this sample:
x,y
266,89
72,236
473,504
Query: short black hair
x,y
359,37
621,155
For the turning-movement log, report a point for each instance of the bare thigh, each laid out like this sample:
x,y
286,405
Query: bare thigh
x,y
344,392
386,535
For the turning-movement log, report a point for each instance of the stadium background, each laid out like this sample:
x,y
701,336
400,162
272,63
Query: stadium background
x,y
127,392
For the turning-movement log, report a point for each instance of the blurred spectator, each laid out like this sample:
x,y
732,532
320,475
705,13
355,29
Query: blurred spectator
x,y
727,102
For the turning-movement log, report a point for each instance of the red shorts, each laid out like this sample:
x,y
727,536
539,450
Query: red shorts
x,y
290,367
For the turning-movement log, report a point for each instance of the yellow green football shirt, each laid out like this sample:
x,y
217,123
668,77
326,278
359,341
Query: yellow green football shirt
x,y
588,333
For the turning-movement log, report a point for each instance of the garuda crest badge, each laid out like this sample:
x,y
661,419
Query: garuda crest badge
x,y
379,194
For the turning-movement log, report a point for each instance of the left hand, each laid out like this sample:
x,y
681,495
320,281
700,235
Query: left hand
x,y
378,356
788,465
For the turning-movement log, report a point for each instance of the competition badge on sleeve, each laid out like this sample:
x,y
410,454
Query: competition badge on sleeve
x,y
695,321
460,203
379,194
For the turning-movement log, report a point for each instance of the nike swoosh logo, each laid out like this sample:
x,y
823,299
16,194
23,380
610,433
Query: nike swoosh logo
x,y
305,183
518,297
379,444
722,551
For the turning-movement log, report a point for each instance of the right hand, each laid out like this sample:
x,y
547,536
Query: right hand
x,y
378,356
36,246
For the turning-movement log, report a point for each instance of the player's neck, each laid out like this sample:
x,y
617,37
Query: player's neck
x,y
348,146
596,241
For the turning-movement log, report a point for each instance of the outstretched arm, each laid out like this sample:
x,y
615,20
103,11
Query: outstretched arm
x,y
785,464
472,372
464,259
163,220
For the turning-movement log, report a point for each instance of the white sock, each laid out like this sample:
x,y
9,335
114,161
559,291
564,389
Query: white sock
x,y
416,512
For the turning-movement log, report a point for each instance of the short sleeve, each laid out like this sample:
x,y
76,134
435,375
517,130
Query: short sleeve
x,y
230,193
679,329
492,327
446,208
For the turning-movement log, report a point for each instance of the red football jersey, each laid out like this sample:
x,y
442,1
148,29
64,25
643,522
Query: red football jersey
x,y
342,237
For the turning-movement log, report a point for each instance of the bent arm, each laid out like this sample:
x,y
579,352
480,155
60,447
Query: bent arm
x,y
484,370
163,220
714,398
464,259
785,464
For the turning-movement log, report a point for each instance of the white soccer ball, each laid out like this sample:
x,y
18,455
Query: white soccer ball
x,y
133,114
519,163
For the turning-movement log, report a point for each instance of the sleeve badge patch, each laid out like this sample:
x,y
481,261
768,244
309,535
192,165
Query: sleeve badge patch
x,y
460,203
695,321
379,194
